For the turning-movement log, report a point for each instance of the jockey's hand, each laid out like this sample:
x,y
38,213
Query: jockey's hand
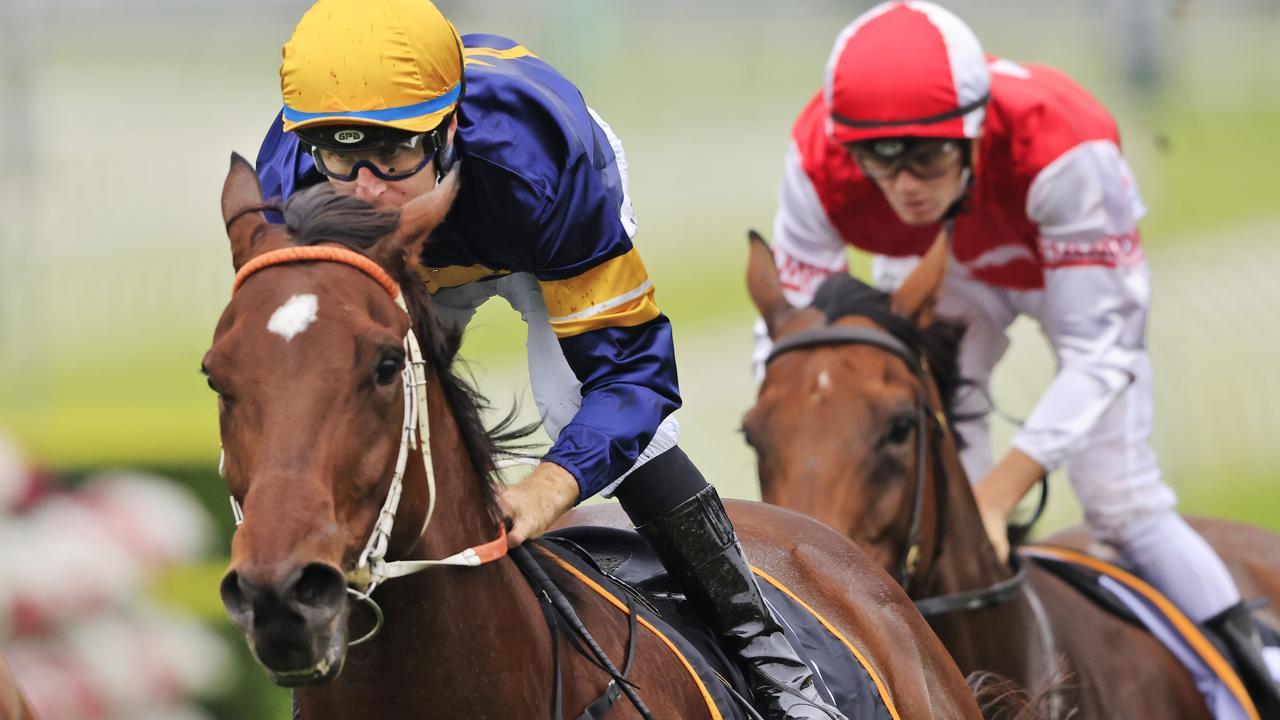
x,y
999,493
532,504
996,524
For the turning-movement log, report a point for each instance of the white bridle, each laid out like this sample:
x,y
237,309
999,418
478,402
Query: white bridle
x,y
372,567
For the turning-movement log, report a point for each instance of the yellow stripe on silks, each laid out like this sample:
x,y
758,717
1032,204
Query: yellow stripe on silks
x,y
472,55
615,293
1190,632
455,275
712,710
862,660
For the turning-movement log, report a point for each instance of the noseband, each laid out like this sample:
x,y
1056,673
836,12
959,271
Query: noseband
x,y
372,567
999,592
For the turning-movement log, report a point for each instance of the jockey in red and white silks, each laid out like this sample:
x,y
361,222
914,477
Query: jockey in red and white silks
x,y
1050,232
915,124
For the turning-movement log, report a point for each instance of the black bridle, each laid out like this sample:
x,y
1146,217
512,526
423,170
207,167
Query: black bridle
x,y
994,594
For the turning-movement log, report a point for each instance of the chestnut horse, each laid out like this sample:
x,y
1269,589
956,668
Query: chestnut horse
x,y
12,705
323,392
851,427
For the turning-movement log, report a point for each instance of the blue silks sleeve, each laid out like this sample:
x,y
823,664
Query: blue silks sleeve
x,y
284,166
601,303
628,387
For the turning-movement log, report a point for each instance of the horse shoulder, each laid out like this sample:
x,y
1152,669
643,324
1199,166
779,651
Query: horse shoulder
x,y
857,598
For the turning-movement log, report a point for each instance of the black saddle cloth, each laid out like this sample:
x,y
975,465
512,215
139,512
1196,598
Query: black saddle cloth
x,y
623,562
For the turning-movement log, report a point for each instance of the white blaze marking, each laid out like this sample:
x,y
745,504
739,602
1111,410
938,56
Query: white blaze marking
x,y
293,316
824,381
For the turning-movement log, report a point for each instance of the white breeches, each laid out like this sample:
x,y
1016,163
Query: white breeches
x,y
556,390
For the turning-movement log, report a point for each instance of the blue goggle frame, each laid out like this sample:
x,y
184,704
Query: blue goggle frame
x,y
372,167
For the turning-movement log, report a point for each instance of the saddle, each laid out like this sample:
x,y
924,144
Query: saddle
x,y
619,565
1129,598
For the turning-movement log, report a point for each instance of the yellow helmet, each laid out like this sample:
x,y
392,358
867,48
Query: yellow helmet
x,y
385,63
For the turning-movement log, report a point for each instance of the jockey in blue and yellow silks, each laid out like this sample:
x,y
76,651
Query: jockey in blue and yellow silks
x,y
383,100
543,195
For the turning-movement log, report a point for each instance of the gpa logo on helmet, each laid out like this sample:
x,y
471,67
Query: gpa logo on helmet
x,y
348,137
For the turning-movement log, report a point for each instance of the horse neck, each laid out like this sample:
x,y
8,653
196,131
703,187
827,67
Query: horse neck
x,y
968,561
451,633
999,638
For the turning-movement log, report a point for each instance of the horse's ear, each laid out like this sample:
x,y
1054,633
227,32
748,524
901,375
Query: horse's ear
x,y
240,194
917,296
764,285
422,215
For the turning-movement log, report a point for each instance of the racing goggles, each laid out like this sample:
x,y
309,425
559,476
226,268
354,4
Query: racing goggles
x,y
924,158
393,161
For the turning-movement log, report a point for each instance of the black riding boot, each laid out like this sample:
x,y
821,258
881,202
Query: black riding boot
x,y
696,543
1234,627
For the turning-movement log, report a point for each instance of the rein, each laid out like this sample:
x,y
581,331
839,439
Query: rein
x,y
372,568
557,610
993,594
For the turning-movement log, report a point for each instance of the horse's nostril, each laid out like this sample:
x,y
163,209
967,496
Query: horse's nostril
x,y
234,598
320,586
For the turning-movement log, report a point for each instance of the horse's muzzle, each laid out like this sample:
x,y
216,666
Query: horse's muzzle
x,y
295,621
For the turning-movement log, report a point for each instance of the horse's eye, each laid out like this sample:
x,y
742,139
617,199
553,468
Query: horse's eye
x,y
209,380
388,369
900,430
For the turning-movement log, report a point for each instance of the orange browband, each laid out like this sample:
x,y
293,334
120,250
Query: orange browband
x,y
324,253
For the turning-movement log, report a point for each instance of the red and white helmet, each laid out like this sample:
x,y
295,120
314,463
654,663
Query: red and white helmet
x,y
906,69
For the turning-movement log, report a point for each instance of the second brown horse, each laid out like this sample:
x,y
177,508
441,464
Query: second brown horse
x,y
851,426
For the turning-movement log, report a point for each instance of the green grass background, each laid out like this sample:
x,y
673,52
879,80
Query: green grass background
x,y
114,266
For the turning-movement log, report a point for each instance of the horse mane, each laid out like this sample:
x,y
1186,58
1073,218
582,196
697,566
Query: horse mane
x,y
1000,698
843,295
319,215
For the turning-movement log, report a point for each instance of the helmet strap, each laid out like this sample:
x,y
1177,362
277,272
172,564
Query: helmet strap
x,y
446,156
967,179
961,203
445,160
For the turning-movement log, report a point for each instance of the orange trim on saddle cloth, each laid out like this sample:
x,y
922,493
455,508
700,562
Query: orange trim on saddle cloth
x,y
884,692
712,710
326,253
1190,631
